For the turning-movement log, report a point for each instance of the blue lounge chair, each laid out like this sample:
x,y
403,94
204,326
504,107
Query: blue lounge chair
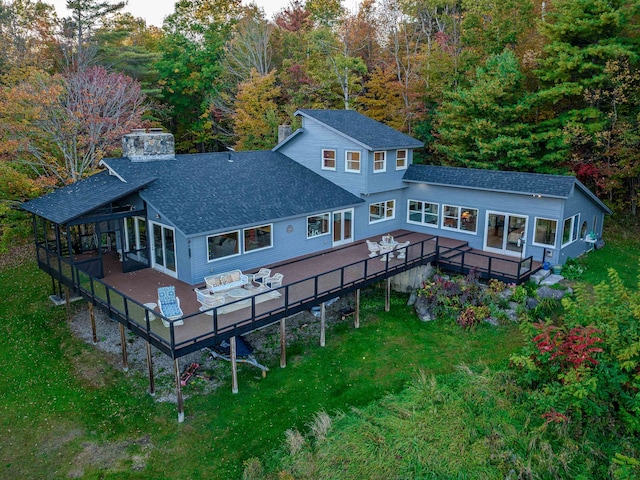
x,y
169,305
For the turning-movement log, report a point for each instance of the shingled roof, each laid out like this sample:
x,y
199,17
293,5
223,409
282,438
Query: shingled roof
x,y
557,186
202,193
68,203
370,133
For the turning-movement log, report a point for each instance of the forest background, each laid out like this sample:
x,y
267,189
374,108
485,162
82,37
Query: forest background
x,y
527,85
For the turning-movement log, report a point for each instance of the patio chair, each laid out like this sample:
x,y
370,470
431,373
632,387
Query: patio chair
x,y
401,250
373,247
169,305
208,300
275,281
262,275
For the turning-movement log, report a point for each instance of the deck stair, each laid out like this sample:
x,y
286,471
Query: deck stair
x,y
454,252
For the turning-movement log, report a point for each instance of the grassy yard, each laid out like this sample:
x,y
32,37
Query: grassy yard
x,y
67,413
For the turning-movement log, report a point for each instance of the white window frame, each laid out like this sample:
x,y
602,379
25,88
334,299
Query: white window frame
x,y
406,159
237,232
335,159
346,161
535,231
423,213
573,232
324,218
458,219
384,161
244,242
384,205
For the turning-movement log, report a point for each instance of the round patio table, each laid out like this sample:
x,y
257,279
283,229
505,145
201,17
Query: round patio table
x,y
239,293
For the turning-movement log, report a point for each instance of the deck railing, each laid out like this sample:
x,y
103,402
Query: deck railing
x,y
463,260
253,312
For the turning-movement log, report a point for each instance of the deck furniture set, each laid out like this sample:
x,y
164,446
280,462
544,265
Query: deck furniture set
x,y
386,247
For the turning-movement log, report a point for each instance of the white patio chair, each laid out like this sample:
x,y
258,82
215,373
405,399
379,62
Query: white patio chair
x,y
169,305
373,247
401,250
208,300
262,275
275,281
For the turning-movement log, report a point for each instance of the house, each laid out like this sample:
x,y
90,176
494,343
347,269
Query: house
x,y
340,177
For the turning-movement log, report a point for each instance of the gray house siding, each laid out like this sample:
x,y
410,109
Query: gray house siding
x,y
389,179
365,229
580,204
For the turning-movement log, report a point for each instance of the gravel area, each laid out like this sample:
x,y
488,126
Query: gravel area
x,y
212,373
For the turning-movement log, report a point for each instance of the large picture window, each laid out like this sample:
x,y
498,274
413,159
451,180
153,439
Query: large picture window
x,y
423,213
328,159
379,161
352,161
401,160
317,225
257,238
570,230
545,232
223,245
460,218
381,211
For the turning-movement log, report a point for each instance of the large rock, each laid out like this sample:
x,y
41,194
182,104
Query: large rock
x,y
422,309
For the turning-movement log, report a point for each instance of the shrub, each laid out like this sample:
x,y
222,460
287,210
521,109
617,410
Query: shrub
x,y
573,269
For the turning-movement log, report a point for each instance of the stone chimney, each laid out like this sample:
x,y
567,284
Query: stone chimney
x,y
147,145
283,132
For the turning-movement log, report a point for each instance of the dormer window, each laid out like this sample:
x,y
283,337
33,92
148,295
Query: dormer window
x,y
352,161
379,161
328,159
401,160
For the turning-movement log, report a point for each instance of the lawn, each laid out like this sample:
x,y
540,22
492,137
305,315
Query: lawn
x,y
67,412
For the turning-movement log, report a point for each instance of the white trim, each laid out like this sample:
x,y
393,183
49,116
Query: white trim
x,y
458,219
328,214
244,245
343,241
152,249
535,230
571,232
422,213
209,260
384,161
385,208
346,161
504,250
406,159
335,159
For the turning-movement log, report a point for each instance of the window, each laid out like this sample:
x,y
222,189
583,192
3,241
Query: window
x,y
382,211
545,232
583,230
328,159
317,225
401,160
379,161
423,213
223,245
570,230
352,163
460,218
257,238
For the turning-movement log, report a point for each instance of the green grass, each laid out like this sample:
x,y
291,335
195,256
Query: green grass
x,y
66,411
59,395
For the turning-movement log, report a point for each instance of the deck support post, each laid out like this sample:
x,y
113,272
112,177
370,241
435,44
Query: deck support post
x,y
67,301
179,399
323,312
356,316
234,366
387,295
123,344
92,316
152,384
283,343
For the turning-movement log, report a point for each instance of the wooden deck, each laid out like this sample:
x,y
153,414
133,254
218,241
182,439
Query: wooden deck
x,y
308,281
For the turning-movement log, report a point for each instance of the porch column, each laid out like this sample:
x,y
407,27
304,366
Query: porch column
x,y
92,317
387,295
179,400
322,322
283,343
234,365
356,316
67,302
152,384
123,344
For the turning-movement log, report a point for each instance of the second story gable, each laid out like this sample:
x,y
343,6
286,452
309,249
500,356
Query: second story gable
x,y
351,150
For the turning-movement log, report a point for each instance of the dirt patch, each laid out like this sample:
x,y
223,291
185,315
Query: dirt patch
x,y
112,457
18,255
303,327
